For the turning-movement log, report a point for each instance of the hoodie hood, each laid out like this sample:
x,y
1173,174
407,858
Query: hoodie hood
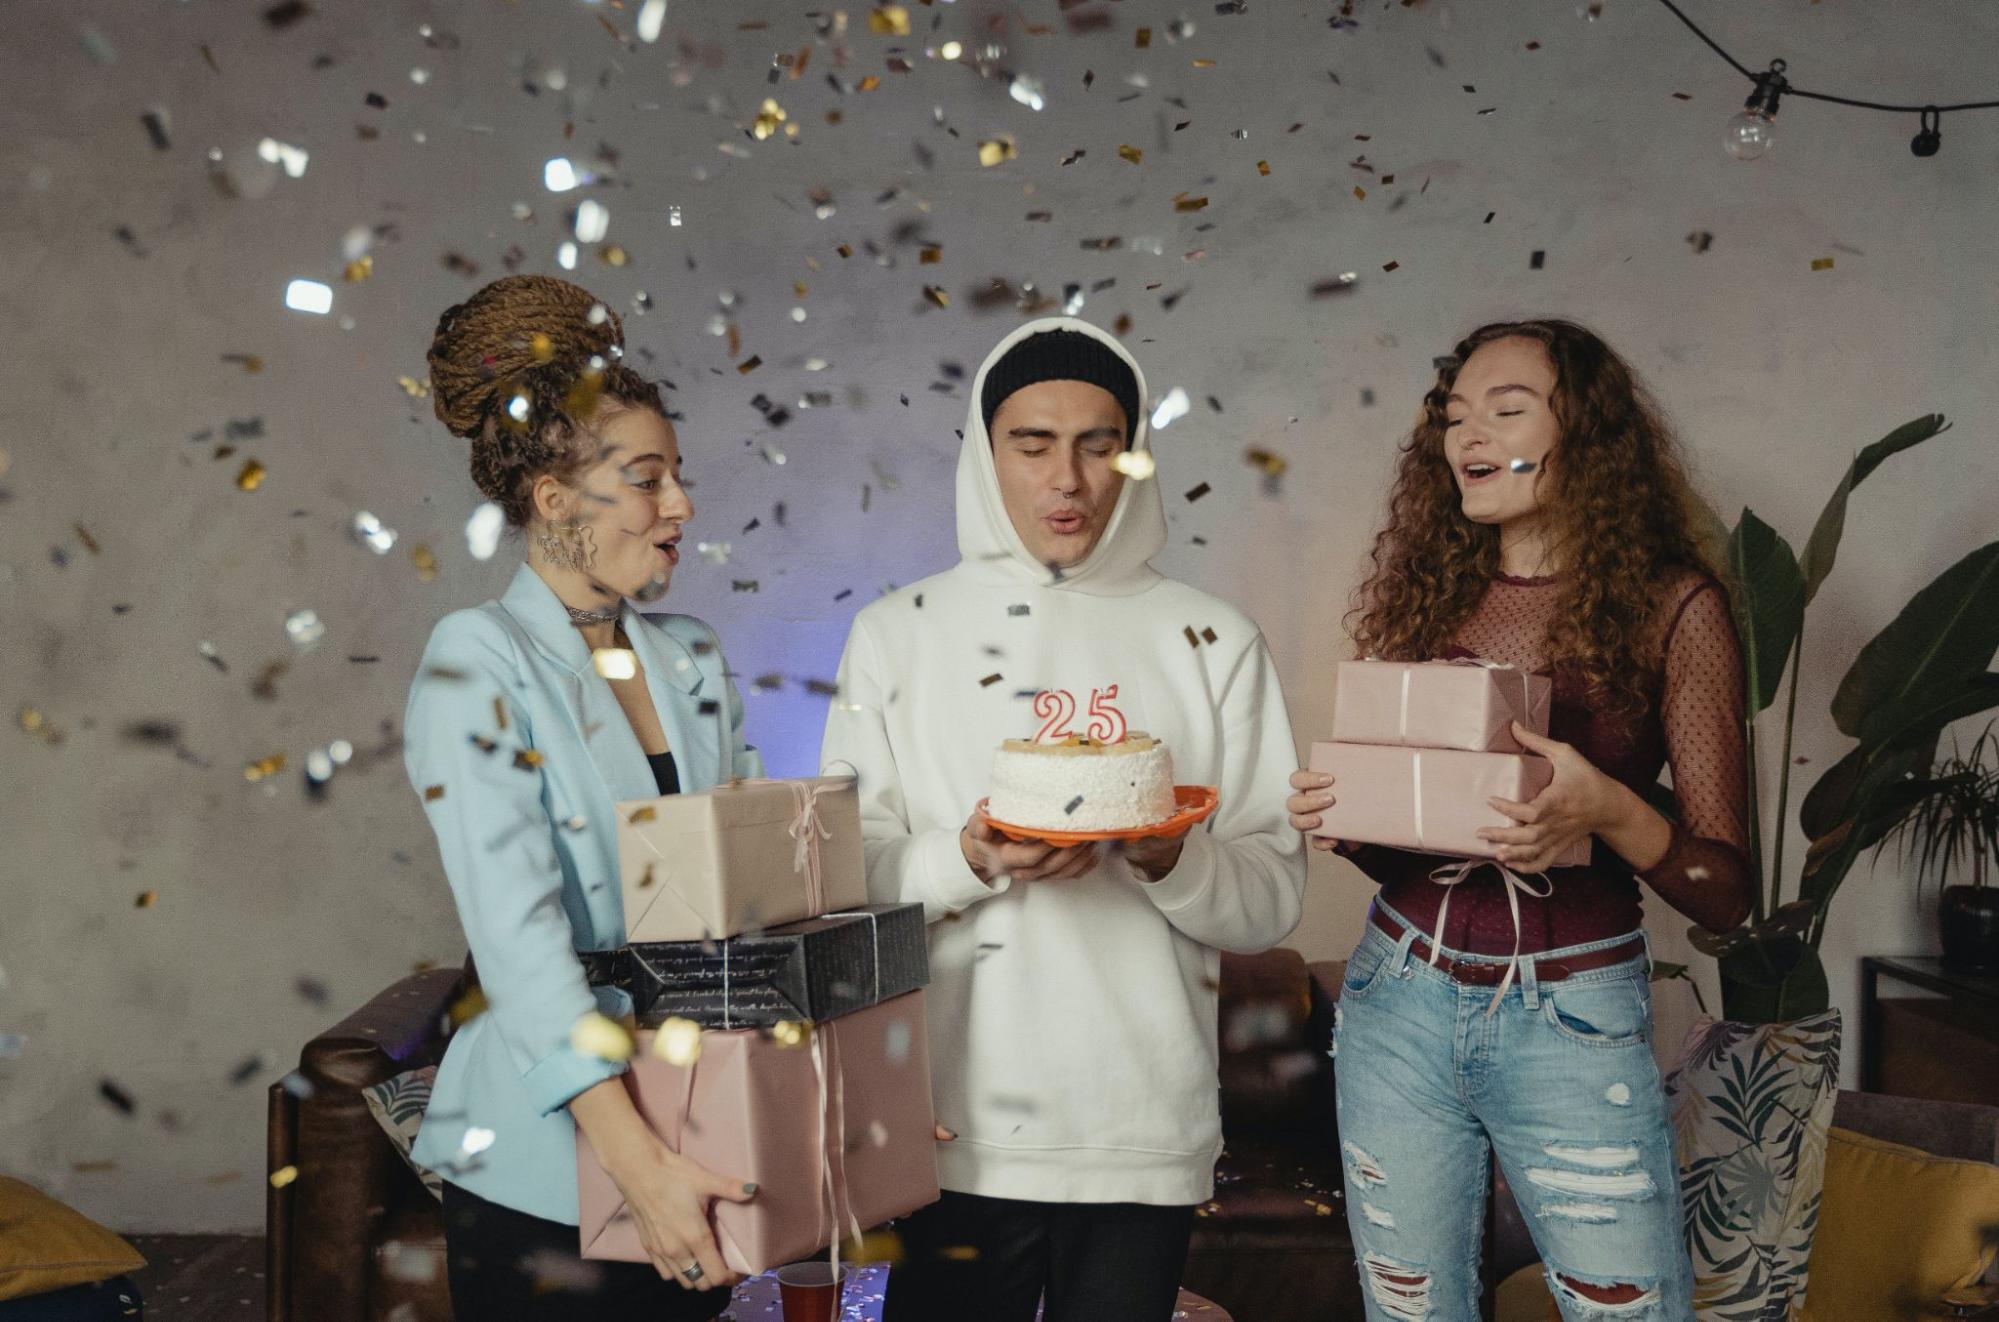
x,y
989,547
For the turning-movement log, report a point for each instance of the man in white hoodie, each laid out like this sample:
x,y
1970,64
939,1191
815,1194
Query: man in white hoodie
x,y
1072,1001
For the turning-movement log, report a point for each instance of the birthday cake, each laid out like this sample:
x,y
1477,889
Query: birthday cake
x,y
1082,784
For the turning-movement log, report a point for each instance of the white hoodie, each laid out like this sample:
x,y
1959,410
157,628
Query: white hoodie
x,y
1072,1023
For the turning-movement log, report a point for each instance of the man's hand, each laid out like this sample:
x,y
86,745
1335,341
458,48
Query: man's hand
x,y
1155,855
990,854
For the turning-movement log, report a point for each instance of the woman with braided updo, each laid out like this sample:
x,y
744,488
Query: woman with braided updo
x,y
530,718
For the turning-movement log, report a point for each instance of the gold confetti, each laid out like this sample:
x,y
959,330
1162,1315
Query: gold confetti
x,y
750,364
960,1252
678,1042
612,254
432,793
1263,167
359,269
994,150
1143,39
89,542
791,1033
146,900
889,20
1204,64
770,117
265,767
1821,263
1273,465
1131,153
251,477
597,1035
930,256
1360,192
870,82
845,250
249,362
283,1175
645,814
527,759
412,387
1137,464
1185,203
425,561
542,347
467,1008
936,294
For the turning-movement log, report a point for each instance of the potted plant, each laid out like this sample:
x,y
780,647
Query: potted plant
x,y
1926,669
1958,822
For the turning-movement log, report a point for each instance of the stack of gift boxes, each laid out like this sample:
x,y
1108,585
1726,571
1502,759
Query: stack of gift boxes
x,y
1419,748
781,1036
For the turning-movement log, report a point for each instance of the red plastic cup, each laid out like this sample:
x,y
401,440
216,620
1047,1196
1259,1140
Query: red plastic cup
x,y
810,1292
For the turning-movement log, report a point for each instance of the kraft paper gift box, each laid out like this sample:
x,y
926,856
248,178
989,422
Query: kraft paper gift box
x,y
1438,704
820,968
850,1110
746,855
1432,800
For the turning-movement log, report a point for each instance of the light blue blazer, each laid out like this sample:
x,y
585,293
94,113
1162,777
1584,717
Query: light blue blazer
x,y
530,847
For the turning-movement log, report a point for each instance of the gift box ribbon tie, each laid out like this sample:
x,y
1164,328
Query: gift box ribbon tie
x,y
1450,874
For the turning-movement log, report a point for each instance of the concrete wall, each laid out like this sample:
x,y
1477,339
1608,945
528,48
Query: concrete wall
x,y
128,280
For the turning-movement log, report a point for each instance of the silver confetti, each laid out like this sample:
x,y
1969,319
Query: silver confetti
x,y
483,529
369,531
1523,465
305,628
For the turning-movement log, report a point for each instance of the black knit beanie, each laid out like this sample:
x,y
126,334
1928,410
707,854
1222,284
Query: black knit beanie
x,y
1062,355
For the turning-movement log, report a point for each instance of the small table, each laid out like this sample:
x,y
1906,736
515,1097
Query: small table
x,y
1968,1002
756,1299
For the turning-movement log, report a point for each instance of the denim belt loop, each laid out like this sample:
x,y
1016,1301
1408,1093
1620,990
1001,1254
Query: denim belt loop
x,y
1646,937
1398,963
1530,982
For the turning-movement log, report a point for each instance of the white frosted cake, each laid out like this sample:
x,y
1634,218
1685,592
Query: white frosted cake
x,y
1082,784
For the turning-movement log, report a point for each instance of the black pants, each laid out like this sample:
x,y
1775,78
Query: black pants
x,y
507,1266
971,1259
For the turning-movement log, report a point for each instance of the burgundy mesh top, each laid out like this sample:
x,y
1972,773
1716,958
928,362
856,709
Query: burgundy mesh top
x,y
1692,721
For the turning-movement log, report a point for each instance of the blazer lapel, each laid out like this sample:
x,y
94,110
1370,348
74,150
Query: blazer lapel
x,y
607,736
680,690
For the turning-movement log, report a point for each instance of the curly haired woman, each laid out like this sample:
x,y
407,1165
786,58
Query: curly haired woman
x,y
1540,518
519,745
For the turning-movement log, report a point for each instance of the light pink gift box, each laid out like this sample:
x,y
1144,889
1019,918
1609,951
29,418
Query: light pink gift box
x,y
1428,799
1467,705
751,1109
740,857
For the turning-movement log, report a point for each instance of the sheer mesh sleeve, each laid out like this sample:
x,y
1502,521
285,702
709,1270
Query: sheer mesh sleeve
x,y
1706,872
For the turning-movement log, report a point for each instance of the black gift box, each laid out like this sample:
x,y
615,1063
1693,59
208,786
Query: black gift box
x,y
816,969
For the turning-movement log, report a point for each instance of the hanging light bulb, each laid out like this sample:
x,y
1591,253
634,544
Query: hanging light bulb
x,y
1751,132
1930,137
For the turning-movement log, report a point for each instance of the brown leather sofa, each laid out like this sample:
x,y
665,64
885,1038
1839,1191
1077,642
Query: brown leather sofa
x,y
356,1237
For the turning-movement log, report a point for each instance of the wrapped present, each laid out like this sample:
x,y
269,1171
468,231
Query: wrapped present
x,y
836,1131
743,856
1468,705
820,968
1428,799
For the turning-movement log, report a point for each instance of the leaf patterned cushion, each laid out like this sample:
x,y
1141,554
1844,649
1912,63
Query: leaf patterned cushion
x,y
1751,1106
398,1105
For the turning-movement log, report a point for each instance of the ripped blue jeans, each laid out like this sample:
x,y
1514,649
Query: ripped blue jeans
x,y
1559,1082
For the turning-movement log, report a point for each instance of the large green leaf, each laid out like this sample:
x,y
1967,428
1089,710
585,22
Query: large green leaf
x,y
1852,785
1820,548
1944,636
1769,603
1929,711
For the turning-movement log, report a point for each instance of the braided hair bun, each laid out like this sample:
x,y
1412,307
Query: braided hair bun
x,y
518,369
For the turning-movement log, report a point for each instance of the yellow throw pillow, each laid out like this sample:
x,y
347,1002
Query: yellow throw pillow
x,y
45,1246
1897,1228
